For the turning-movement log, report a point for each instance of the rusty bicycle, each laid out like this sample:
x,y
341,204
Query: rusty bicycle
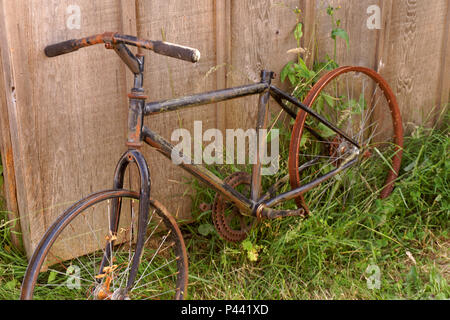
x,y
133,247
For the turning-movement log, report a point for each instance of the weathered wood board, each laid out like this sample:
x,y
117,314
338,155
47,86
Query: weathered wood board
x,y
66,114
413,59
63,120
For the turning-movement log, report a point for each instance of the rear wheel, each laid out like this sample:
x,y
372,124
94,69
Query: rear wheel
x,y
361,104
72,260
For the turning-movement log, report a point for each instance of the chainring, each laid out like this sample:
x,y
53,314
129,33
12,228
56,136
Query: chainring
x,y
229,222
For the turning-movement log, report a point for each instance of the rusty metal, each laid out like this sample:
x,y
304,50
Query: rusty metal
x,y
271,214
131,156
299,191
136,98
222,219
112,39
204,98
40,254
244,206
132,62
299,125
55,230
304,107
261,123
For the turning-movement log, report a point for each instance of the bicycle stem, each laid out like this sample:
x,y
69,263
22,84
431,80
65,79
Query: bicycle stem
x,y
136,97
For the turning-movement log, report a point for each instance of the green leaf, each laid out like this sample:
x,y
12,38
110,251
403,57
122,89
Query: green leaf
x,y
286,71
304,139
330,10
325,131
341,33
247,245
302,70
320,104
292,79
205,229
331,64
329,99
11,284
298,33
252,250
51,277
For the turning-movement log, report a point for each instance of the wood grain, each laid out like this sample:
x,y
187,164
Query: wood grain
x,y
64,119
192,24
6,146
353,16
443,90
261,35
412,57
68,118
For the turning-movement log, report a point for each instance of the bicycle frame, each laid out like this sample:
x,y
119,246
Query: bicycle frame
x,y
257,205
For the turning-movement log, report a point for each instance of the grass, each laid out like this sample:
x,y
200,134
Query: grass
x,y
326,256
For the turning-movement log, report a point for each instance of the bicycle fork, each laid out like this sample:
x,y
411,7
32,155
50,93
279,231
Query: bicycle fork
x,y
133,155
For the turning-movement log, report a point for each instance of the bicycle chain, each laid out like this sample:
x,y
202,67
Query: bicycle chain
x,y
218,211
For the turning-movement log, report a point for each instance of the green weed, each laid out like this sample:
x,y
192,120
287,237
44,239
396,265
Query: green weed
x,y
327,256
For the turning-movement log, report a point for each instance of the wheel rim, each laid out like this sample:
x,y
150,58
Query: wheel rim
x,y
162,271
368,97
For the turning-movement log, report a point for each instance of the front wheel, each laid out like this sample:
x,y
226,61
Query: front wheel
x,y
79,256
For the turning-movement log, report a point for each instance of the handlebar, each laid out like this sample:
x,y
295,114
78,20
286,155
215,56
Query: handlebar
x,y
160,47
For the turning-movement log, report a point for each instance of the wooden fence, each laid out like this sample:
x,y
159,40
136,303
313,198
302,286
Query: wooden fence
x,y
63,120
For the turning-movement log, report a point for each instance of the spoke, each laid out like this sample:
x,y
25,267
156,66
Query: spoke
x,y
65,274
98,241
126,271
171,290
153,271
153,257
156,280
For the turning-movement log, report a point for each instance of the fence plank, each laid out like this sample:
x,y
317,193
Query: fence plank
x,y
223,54
64,119
308,19
412,68
444,79
58,116
6,143
353,16
191,24
262,33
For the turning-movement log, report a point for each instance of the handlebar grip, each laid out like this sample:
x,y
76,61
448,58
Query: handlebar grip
x,y
60,48
176,51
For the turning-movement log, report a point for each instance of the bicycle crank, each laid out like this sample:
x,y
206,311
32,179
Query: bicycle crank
x,y
229,222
